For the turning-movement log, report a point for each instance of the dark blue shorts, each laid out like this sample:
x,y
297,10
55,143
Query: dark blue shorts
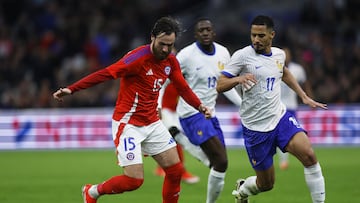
x,y
261,146
199,129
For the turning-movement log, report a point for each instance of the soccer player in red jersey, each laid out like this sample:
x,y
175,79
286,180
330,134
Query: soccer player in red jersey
x,y
136,127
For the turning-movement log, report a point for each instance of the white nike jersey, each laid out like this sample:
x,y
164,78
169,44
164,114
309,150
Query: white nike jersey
x,y
201,71
288,96
261,107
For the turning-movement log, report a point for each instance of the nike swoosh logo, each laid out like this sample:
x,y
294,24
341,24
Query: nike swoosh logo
x,y
198,68
257,67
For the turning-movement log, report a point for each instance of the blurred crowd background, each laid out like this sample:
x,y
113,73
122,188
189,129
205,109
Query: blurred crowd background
x,y
47,44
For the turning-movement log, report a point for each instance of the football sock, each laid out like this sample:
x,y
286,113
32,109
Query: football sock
x,y
315,182
216,181
172,180
194,150
118,184
249,187
93,192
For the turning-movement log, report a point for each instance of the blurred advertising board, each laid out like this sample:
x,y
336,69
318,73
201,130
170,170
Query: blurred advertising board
x,y
91,127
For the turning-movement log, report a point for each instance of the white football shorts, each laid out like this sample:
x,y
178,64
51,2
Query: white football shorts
x,y
132,142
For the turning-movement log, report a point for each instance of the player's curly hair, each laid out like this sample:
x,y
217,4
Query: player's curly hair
x,y
166,25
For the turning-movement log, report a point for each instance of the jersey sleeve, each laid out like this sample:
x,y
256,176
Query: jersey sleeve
x,y
182,87
181,57
121,68
233,67
91,80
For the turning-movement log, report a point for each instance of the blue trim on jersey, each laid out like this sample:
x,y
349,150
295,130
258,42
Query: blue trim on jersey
x,y
270,54
227,74
134,56
210,54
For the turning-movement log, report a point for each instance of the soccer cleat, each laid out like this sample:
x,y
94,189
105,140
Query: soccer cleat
x,y
238,197
85,193
189,178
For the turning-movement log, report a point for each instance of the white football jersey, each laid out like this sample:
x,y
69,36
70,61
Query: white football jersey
x,y
288,96
201,71
261,107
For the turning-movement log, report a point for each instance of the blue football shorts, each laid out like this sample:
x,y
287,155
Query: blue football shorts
x,y
199,129
261,146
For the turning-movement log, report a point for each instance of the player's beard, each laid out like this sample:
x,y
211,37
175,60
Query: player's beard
x,y
159,54
260,49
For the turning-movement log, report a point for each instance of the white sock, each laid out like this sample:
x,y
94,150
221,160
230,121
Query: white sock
x,y
93,192
194,150
216,181
315,182
249,187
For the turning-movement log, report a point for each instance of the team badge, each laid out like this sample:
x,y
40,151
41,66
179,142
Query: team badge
x,y
221,66
279,65
167,70
130,156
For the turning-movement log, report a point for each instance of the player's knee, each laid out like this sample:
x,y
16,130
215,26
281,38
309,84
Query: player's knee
x,y
174,172
265,185
220,165
309,157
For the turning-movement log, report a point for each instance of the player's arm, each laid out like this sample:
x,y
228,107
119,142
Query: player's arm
x,y
86,82
233,96
186,93
226,81
290,81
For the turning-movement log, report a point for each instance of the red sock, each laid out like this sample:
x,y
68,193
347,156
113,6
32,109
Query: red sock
x,y
171,186
119,184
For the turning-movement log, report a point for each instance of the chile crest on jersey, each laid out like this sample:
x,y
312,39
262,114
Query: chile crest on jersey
x,y
167,70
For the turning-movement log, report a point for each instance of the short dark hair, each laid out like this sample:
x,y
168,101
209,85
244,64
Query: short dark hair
x,y
200,19
166,25
263,20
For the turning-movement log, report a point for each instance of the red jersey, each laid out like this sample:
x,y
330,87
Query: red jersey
x,y
170,98
141,77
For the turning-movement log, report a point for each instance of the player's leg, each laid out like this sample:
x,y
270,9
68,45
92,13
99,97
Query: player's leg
x,y
194,150
162,147
216,151
253,185
260,148
211,142
186,177
133,175
171,121
170,162
301,148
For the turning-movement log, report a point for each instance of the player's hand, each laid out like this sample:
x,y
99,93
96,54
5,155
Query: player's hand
x,y
61,92
314,104
205,110
247,81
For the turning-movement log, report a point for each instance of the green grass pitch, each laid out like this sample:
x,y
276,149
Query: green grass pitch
x,y
57,177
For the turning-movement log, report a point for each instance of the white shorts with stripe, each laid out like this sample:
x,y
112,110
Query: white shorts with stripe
x,y
132,142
